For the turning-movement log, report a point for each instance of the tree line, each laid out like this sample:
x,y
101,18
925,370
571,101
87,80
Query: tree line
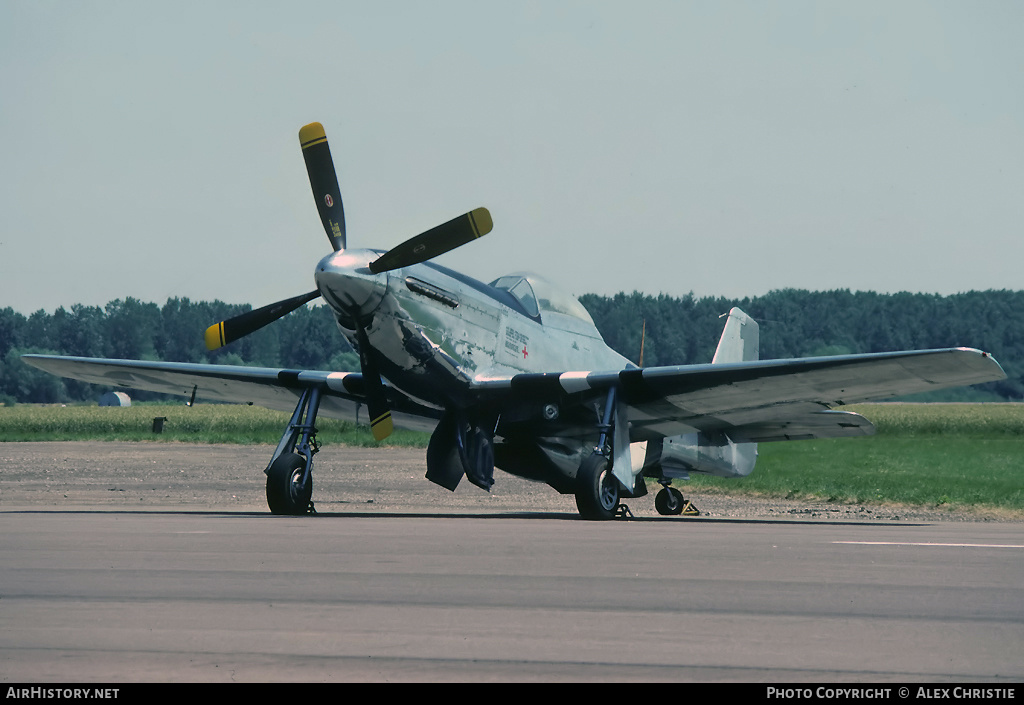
x,y
800,323
131,329
675,331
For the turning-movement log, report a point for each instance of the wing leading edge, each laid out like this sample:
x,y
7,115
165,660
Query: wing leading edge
x,y
753,401
273,388
756,400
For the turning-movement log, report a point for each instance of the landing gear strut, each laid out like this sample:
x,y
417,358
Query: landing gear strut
x,y
290,472
597,489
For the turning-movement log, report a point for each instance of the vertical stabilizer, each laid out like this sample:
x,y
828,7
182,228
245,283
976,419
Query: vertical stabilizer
x,y
740,339
711,453
740,343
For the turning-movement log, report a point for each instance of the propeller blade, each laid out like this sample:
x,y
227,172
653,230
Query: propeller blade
x,y
220,334
436,241
324,181
381,424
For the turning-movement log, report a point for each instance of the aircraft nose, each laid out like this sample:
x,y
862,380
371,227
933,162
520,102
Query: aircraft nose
x,y
348,285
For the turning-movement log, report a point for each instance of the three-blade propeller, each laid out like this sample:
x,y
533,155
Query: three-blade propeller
x,y
326,193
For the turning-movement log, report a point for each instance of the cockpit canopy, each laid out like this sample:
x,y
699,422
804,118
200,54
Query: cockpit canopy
x,y
521,290
539,297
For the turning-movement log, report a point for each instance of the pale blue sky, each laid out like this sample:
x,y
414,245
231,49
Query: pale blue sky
x,y
150,149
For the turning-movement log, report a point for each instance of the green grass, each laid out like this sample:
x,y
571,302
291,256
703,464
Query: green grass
x,y
974,420
203,423
939,455
949,455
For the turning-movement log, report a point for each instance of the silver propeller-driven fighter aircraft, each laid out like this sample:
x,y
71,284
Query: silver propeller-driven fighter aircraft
x,y
515,375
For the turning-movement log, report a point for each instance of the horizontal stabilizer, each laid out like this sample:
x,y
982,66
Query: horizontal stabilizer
x,y
817,424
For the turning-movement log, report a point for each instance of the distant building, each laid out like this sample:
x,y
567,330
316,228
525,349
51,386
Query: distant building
x,y
115,399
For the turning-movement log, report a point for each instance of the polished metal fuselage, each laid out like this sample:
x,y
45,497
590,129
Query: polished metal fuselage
x,y
432,332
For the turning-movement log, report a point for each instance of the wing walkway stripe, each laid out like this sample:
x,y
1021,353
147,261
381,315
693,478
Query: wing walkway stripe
x,y
574,381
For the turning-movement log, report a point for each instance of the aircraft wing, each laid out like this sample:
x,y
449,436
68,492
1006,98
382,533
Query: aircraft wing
x,y
273,388
761,400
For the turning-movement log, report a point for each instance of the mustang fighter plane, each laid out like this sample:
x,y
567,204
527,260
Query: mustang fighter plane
x,y
515,375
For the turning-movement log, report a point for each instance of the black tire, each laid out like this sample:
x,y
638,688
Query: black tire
x,y
284,493
669,502
597,491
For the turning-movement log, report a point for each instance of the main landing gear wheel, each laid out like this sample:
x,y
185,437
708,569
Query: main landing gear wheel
x,y
285,493
597,492
670,502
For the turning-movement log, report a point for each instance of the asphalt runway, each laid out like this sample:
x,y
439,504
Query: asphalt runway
x,y
131,589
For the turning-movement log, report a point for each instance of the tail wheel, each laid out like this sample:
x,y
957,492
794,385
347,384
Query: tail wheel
x,y
669,502
597,491
285,491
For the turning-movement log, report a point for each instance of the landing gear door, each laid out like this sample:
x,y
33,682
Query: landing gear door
x,y
622,461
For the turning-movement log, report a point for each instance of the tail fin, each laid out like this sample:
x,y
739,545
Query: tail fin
x,y
711,453
740,339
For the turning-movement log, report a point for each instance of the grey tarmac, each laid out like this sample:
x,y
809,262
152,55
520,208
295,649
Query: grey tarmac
x,y
159,562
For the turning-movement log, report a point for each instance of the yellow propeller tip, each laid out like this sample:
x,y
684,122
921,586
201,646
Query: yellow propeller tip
x,y
214,336
482,222
382,426
311,133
